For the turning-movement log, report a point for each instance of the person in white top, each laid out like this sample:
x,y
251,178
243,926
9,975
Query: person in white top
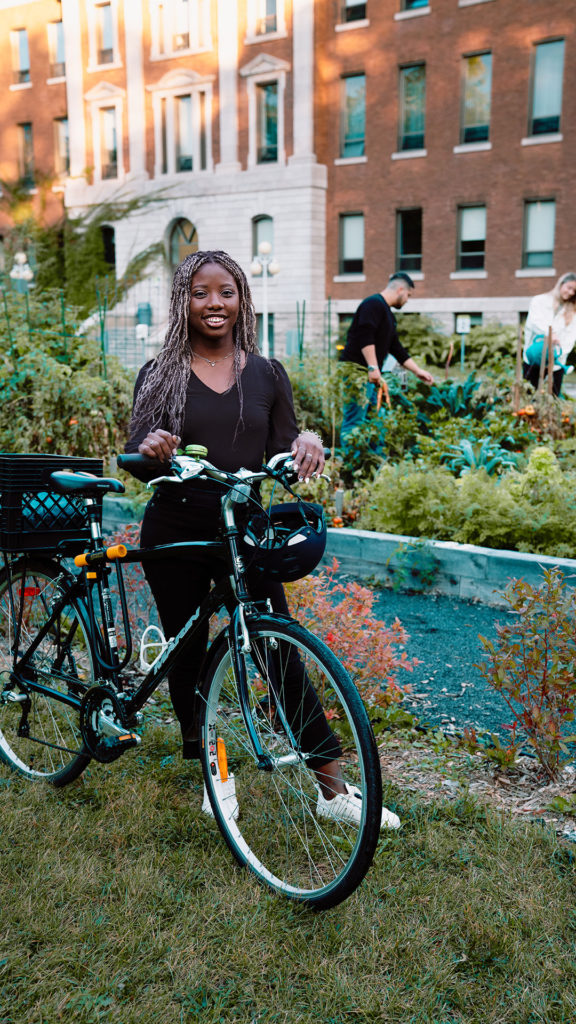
x,y
555,309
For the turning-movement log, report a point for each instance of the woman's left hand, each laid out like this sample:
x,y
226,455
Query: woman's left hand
x,y
308,455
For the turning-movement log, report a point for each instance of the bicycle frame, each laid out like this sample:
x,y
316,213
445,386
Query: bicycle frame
x,y
231,593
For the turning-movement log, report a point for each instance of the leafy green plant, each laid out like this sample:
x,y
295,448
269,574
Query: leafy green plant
x,y
53,397
486,454
413,566
532,665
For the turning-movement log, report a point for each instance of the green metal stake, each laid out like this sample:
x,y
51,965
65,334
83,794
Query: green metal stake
x,y
63,314
102,306
300,319
329,332
8,325
28,320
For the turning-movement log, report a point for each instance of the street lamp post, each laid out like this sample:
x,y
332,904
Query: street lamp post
x,y
264,263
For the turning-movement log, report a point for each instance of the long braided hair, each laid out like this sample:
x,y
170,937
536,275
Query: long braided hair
x,y
161,399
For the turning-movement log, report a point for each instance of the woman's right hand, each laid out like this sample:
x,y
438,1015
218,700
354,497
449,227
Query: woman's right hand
x,y
159,444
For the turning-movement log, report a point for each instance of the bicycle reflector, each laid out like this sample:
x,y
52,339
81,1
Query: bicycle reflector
x,y
287,542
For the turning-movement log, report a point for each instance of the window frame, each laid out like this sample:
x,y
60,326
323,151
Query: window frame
x,y
259,219
163,30
359,7
20,75
26,161
343,270
57,68
344,118
94,52
537,266
460,255
401,109
464,80
166,93
531,134
254,19
61,166
400,256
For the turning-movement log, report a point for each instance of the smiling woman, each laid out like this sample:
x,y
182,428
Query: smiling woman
x,y
209,386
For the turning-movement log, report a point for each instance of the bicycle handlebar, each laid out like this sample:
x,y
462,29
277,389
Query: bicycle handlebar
x,y
187,467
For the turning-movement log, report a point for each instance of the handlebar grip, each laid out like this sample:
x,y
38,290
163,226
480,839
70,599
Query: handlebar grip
x,y
135,460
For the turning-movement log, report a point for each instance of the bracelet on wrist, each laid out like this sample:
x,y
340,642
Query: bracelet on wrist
x,y
369,368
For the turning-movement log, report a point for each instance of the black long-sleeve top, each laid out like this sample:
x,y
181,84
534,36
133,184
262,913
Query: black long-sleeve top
x,y
373,324
211,419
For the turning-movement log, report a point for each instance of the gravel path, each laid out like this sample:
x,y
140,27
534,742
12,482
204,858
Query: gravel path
x,y
443,635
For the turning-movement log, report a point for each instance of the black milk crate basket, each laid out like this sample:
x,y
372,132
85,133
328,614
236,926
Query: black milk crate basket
x,y
33,516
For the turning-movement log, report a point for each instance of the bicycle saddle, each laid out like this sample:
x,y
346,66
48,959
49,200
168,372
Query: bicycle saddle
x,y
84,483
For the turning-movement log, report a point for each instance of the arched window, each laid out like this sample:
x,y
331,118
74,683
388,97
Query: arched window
x,y
262,231
109,243
183,241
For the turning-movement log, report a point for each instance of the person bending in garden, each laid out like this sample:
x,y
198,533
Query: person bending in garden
x,y
555,309
372,336
209,386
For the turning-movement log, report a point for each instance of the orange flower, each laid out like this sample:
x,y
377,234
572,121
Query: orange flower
x,y
72,423
337,521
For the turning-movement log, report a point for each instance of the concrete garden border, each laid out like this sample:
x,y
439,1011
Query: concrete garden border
x,y
463,571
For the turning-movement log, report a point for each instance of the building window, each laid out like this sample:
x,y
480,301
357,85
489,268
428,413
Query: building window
x,y
412,5
353,10
179,25
26,154
353,125
476,98
546,93
266,122
108,142
266,17
262,231
61,147
539,223
182,132
20,56
409,240
183,241
412,107
184,155
109,244
56,49
471,237
104,34
351,243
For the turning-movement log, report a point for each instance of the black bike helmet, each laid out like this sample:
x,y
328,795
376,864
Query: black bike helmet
x,y
286,542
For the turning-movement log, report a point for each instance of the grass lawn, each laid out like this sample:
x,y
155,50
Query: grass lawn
x,y
121,904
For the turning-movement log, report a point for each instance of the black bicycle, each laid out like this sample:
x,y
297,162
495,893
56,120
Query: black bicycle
x,y
66,699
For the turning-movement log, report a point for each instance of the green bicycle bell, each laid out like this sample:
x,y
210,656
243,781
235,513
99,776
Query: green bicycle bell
x,y
195,451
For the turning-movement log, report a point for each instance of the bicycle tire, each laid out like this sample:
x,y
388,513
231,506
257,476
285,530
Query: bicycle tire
x,y
53,750
276,833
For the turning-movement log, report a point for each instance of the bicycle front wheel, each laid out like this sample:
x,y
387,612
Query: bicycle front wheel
x,y
306,713
40,734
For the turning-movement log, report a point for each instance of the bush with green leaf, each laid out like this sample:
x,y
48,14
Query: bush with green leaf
x,y
532,664
485,454
54,398
521,511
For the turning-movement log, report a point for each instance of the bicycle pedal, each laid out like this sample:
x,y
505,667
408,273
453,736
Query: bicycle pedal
x,y
110,748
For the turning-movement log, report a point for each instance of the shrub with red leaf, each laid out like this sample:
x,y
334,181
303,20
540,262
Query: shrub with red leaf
x,y
341,614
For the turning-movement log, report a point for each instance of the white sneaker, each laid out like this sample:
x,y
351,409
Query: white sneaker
x,y
228,800
348,807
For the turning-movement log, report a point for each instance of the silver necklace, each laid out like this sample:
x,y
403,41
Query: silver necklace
x,y
211,362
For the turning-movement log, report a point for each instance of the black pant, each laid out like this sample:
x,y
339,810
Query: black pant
x,y
180,584
531,373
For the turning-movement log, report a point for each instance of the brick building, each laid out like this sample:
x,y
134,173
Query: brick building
x,y
356,137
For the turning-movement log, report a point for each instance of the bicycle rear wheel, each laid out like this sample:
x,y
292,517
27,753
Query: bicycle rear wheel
x,y
40,733
272,825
